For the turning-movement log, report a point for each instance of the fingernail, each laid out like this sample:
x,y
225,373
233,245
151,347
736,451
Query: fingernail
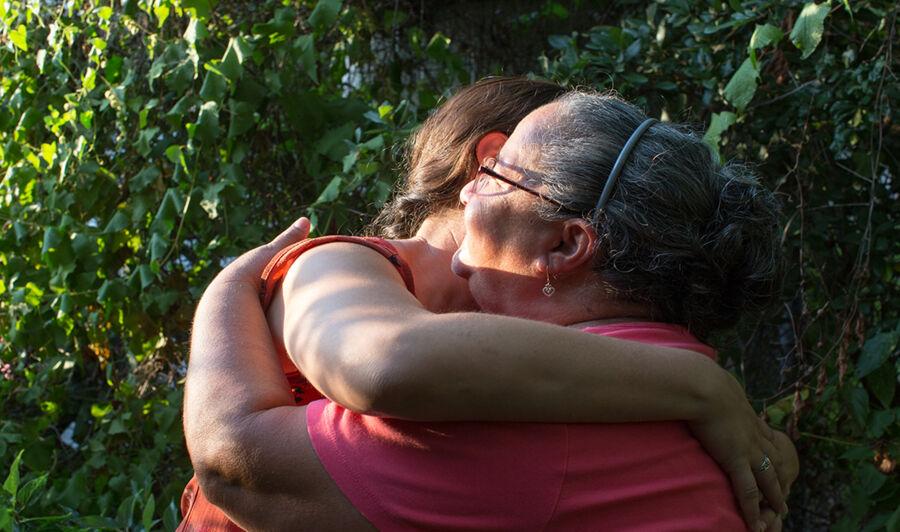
x,y
784,509
761,526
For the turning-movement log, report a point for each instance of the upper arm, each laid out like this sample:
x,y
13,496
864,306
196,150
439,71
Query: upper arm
x,y
342,307
289,488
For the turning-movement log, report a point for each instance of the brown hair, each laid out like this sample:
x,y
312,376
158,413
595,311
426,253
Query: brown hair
x,y
440,155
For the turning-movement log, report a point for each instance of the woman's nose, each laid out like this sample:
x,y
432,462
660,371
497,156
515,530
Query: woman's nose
x,y
466,193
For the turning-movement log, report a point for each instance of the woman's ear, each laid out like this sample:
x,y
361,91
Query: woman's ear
x,y
489,145
576,244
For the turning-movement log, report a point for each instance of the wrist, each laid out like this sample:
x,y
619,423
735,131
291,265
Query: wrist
x,y
714,392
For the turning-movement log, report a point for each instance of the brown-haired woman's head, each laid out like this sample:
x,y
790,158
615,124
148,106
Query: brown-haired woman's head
x,y
441,155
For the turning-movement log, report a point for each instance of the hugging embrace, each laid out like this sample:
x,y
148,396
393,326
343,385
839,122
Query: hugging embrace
x,y
525,351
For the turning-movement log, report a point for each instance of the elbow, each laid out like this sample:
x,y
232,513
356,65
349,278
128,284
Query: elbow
x,y
379,380
397,381
220,463
213,484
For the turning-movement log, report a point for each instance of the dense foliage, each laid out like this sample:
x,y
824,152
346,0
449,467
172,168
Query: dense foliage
x,y
143,143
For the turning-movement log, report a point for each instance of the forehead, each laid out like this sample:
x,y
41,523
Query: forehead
x,y
522,150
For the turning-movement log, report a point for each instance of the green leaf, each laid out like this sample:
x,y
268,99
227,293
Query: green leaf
x,y
18,36
117,427
175,155
719,123
112,290
65,304
48,152
201,8
52,238
162,13
883,382
331,192
164,221
144,142
764,35
861,452
143,179
149,509
146,275
810,27
242,118
304,47
159,245
859,405
208,122
230,66
876,351
12,480
742,87
325,13
99,411
880,421
113,69
30,488
871,480
118,222
214,87
893,524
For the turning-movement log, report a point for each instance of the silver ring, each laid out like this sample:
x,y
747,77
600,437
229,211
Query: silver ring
x,y
765,464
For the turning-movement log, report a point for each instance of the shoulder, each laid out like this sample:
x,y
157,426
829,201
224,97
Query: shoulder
x,y
348,274
335,259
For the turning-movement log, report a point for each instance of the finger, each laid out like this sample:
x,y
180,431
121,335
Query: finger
x,y
744,484
769,486
250,265
769,517
295,233
767,431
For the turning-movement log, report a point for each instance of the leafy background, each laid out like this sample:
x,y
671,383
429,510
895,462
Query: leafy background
x,y
144,143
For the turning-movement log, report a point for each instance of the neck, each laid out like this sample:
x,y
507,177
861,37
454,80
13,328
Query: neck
x,y
429,253
580,301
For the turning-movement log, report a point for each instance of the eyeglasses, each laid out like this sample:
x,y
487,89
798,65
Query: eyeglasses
x,y
486,171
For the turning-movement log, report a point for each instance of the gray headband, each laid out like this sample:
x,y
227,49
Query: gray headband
x,y
620,163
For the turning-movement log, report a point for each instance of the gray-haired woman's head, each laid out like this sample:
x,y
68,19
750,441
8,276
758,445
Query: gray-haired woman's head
x,y
696,240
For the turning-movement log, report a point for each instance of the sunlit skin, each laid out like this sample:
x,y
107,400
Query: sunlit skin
x,y
508,250
345,307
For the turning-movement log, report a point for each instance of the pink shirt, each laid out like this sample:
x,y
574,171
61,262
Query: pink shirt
x,y
403,475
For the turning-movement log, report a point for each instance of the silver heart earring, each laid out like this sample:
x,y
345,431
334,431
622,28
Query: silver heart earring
x,y
548,289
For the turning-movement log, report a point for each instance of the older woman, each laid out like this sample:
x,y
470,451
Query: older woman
x,y
330,316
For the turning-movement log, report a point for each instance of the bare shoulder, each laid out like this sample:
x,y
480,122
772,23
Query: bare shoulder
x,y
342,267
336,258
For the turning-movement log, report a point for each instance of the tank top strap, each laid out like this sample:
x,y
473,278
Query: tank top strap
x,y
278,267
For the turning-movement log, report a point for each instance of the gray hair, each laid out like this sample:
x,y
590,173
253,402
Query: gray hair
x,y
697,241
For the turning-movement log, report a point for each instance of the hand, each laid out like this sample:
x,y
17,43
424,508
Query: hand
x,y
248,267
737,439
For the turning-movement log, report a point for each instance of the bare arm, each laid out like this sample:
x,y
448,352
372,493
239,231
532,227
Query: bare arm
x,y
367,343
364,341
243,436
248,442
